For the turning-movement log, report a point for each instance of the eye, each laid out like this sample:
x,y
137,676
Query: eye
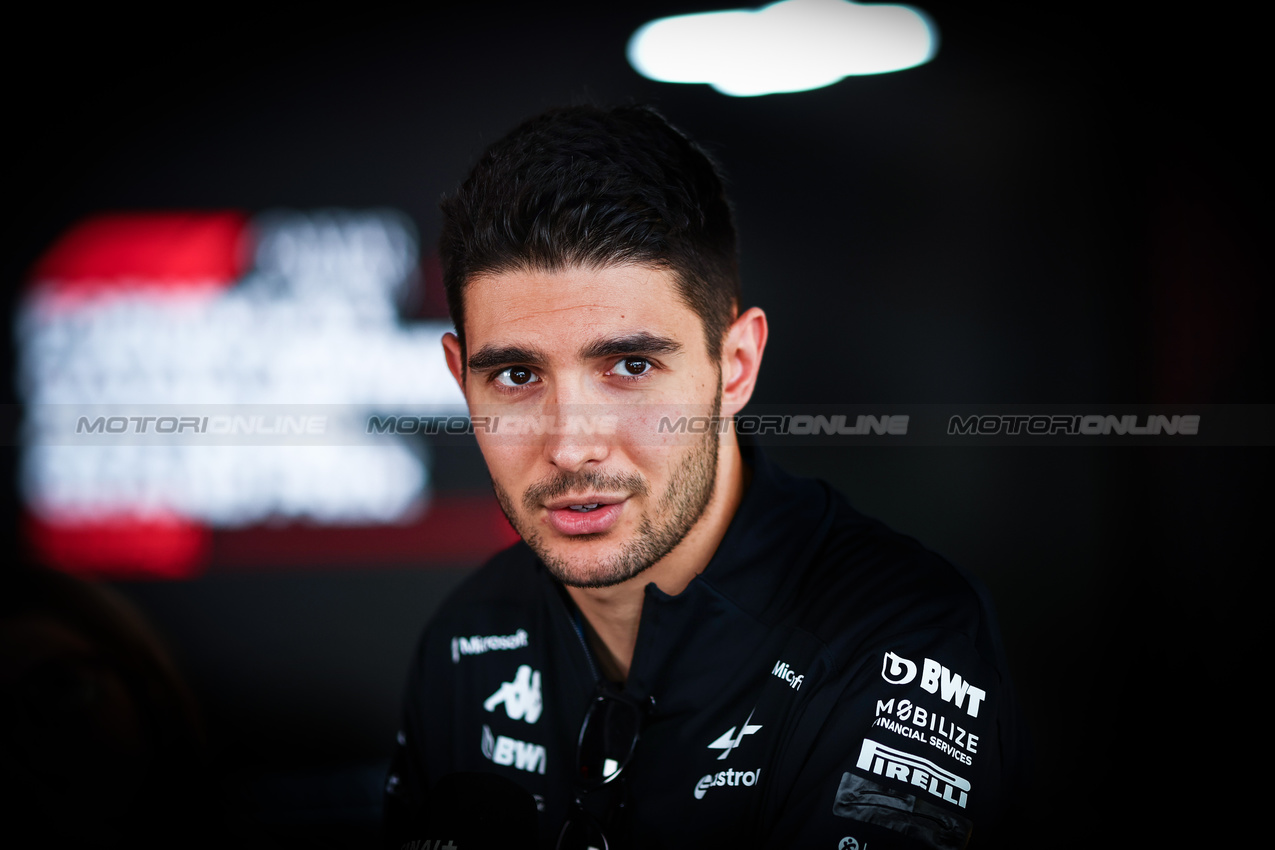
x,y
516,376
631,367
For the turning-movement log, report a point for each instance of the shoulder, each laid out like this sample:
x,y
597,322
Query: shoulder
x,y
491,597
865,583
798,553
507,575
893,572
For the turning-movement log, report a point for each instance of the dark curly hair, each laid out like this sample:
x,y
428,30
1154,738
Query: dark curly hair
x,y
595,187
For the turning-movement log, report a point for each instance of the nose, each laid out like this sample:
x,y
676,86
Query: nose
x,y
575,433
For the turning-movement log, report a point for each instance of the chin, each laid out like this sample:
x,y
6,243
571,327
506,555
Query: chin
x,y
607,570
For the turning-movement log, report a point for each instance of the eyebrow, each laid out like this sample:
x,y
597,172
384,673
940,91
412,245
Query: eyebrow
x,y
638,343
491,356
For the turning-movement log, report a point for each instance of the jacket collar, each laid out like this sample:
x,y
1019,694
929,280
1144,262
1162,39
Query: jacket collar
x,y
779,524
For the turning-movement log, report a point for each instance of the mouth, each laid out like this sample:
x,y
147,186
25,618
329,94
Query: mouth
x,y
587,514
583,504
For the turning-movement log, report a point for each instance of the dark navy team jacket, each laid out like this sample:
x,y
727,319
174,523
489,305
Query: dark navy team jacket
x,y
825,683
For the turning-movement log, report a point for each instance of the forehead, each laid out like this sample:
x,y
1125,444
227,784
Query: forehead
x,y
560,309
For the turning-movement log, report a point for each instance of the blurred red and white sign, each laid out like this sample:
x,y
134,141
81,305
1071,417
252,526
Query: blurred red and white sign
x,y
190,312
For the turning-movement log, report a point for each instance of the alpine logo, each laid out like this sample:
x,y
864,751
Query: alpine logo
x,y
521,696
478,644
730,740
513,753
914,770
783,671
936,679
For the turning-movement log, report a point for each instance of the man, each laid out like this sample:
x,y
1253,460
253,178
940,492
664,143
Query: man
x,y
689,648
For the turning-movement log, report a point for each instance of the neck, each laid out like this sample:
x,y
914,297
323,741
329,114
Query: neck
x,y
613,613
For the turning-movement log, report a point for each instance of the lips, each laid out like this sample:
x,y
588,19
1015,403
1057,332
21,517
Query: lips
x,y
584,515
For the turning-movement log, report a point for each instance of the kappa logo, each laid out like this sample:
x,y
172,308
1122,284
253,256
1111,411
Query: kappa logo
x,y
521,696
913,770
936,679
730,740
513,753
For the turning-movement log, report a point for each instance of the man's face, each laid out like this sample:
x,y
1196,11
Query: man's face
x,y
580,366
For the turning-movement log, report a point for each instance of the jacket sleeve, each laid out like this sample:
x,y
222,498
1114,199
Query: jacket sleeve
x,y
406,783
913,746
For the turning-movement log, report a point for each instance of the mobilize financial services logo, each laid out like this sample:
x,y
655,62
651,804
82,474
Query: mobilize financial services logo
x,y
936,679
929,727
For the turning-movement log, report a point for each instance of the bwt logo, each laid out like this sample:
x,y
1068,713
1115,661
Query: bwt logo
x,y
513,753
783,671
936,679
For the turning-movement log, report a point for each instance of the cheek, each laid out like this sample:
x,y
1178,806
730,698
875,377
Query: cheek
x,y
663,430
508,457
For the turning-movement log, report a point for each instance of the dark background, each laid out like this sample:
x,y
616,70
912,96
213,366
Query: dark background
x,y
1064,206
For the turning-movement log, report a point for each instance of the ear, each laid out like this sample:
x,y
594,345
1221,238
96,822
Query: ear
x,y
455,359
741,359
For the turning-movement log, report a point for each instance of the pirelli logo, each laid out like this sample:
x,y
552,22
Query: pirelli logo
x,y
914,770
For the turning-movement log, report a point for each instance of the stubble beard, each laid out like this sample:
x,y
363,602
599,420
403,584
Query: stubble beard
x,y
687,496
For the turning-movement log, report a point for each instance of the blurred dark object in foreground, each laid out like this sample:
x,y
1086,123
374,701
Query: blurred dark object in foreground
x,y
100,739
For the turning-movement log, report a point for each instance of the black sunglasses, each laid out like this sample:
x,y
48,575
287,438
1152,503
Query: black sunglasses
x,y
608,738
